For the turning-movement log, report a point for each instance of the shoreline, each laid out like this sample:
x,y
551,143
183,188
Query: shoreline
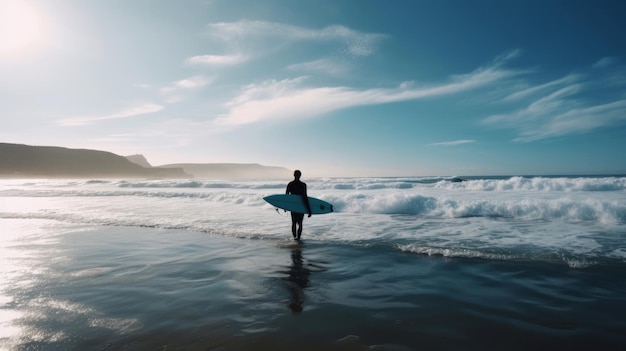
x,y
80,286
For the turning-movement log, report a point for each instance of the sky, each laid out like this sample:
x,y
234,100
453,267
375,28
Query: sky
x,y
331,87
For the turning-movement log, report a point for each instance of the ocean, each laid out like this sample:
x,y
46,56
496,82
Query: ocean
x,y
404,263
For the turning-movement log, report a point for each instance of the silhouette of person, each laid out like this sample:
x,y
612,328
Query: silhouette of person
x,y
297,187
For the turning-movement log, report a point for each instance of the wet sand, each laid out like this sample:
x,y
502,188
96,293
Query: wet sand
x,y
80,287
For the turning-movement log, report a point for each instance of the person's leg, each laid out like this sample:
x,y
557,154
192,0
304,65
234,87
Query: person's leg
x,y
300,220
294,220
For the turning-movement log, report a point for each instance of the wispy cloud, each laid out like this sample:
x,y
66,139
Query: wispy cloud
x,y
130,112
247,40
537,109
562,107
217,60
356,43
453,143
289,99
579,120
324,65
174,92
605,62
537,89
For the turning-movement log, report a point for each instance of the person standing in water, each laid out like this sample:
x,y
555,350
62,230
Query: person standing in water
x,y
297,187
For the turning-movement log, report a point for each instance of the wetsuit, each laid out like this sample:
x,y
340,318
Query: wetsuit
x,y
296,187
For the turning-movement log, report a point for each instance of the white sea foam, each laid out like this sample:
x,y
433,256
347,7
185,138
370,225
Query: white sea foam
x,y
582,219
539,184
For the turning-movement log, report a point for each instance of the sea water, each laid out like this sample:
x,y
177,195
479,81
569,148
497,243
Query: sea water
x,y
402,264
578,221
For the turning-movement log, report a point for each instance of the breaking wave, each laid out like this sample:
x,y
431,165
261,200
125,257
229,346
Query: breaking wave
x,y
571,220
575,209
604,211
563,184
491,184
542,184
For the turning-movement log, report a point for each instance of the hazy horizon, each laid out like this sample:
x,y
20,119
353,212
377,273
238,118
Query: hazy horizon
x,y
351,88
208,170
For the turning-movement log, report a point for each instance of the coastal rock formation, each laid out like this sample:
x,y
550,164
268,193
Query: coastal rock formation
x,y
25,161
140,160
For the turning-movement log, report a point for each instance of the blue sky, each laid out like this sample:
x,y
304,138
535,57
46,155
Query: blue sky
x,y
335,88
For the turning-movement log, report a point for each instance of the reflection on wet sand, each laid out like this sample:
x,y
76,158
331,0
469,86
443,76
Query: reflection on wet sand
x,y
297,280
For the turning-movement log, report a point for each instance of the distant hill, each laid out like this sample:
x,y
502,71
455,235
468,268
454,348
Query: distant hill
x,y
25,161
232,170
140,160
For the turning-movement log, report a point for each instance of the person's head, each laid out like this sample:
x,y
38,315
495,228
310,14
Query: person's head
x,y
297,174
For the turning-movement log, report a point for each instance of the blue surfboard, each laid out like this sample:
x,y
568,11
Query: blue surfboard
x,y
295,203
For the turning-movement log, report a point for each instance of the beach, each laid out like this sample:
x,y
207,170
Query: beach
x,y
461,159
75,276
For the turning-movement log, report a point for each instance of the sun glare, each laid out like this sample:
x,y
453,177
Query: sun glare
x,y
20,26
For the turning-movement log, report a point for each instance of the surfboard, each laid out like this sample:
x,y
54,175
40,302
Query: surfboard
x,y
294,203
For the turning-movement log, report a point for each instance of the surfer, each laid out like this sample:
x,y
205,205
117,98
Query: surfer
x,y
297,187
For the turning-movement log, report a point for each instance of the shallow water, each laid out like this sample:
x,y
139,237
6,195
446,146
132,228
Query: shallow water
x,y
404,264
93,287
577,221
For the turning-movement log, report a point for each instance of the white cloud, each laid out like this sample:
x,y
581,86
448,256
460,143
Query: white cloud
x,y
570,78
453,143
542,107
130,112
191,83
574,121
605,62
560,107
174,92
217,60
356,43
324,65
287,99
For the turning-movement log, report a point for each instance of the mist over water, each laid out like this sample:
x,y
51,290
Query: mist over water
x,y
578,221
